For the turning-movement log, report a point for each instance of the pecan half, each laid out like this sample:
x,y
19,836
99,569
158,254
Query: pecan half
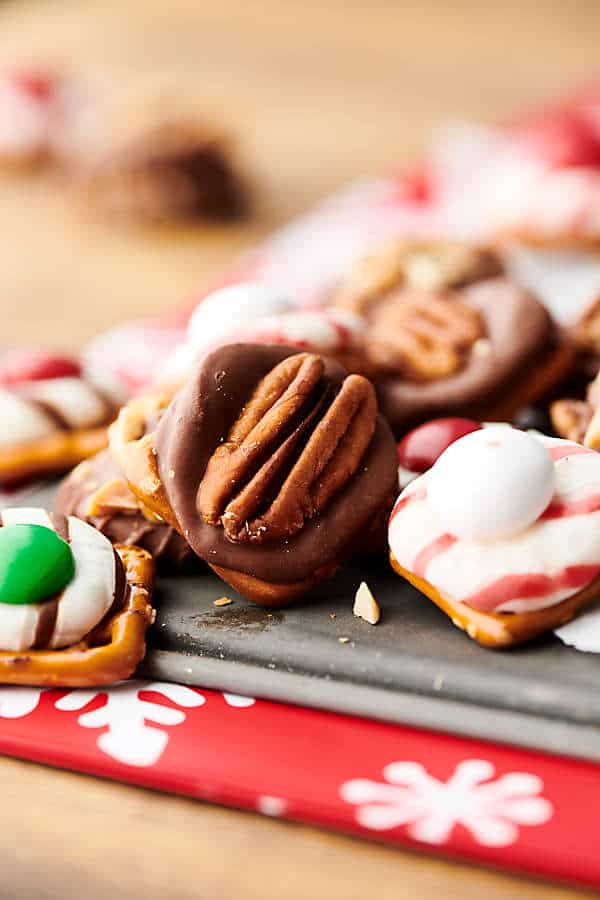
x,y
591,437
571,418
587,331
592,394
421,265
425,337
294,446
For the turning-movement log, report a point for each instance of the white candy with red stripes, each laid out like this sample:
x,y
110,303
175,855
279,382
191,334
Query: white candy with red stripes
x,y
232,310
227,315
37,409
537,565
551,205
27,115
493,180
78,403
128,358
21,421
326,330
84,601
252,312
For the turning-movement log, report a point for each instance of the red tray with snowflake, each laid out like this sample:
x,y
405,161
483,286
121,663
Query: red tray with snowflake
x,y
459,797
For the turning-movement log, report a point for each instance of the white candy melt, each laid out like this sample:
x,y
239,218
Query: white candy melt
x,y
90,593
491,484
227,311
85,600
322,330
77,402
20,421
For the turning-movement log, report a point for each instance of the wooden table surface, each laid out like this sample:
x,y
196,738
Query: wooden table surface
x,y
316,92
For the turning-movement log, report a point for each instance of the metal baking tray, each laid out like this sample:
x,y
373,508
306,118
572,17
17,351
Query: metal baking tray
x,y
414,667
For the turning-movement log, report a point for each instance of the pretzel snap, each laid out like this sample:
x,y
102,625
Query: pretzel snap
x,y
73,609
50,425
50,455
131,443
110,652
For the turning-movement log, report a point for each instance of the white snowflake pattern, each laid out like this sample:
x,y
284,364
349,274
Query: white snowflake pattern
x,y
128,737
238,701
490,809
271,806
16,702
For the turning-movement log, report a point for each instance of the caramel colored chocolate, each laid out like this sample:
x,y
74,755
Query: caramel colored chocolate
x,y
97,493
172,171
230,398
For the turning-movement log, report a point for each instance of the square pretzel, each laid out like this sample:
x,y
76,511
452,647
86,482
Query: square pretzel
x,y
110,652
50,455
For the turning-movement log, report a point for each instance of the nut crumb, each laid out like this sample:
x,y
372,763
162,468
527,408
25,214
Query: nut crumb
x,y
223,601
365,605
344,640
333,615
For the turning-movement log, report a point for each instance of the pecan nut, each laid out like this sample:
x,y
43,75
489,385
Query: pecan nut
x,y
592,394
422,266
294,446
425,337
591,437
586,332
571,418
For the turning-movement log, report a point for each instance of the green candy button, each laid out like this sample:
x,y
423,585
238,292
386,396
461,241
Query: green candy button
x,y
35,563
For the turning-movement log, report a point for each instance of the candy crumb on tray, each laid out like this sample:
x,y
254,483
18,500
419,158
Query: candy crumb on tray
x,y
365,605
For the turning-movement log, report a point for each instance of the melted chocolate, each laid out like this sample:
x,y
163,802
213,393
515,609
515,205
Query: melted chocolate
x,y
46,623
121,584
126,526
199,419
518,329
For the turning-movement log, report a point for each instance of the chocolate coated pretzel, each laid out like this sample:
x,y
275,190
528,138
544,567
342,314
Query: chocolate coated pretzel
x,y
50,455
270,462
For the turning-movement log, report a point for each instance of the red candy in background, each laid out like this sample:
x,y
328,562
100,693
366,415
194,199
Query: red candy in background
x,y
420,448
36,84
563,138
411,187
26,364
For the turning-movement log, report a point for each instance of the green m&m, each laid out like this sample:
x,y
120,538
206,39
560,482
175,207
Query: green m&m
x,y
35,564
